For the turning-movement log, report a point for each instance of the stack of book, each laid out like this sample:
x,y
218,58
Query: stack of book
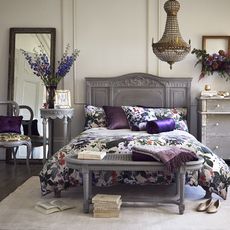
x,y
91,155
208,93
106,205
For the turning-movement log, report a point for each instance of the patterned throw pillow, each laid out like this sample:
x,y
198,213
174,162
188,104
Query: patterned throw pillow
x,y
178,114
138,117
94,117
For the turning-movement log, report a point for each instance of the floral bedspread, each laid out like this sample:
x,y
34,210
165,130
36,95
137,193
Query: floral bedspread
x,y
55,176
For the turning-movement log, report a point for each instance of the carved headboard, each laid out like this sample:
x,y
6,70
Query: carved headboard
x,y
139,89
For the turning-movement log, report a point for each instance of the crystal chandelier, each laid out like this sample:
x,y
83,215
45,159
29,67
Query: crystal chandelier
x,y
171,47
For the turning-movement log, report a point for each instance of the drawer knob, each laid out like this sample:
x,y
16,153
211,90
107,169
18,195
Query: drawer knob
x,y
218,105
217,124
216,147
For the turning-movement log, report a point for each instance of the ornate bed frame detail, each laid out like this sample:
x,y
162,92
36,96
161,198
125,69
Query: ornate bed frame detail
x,y
139,89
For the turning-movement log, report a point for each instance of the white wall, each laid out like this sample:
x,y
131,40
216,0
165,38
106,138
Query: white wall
x,y
25,13
114,38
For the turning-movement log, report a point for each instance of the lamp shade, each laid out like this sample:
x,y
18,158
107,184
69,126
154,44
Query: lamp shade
x,y
171,47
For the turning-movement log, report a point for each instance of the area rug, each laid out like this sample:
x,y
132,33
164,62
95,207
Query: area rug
x,y
17,211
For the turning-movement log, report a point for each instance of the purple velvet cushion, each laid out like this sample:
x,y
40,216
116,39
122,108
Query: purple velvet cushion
x,y
115,117
10,124
34,128
158,126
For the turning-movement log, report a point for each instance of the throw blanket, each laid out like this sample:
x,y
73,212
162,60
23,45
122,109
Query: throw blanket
x,y
171,156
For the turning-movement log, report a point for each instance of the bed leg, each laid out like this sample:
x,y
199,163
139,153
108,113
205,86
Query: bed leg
x,y
208,194
57,193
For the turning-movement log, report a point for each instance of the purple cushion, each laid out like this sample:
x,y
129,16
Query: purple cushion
x,y
34,128
115,117
10,124
158,126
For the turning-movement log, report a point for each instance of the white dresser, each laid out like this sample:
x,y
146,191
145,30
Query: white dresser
x,y
214,124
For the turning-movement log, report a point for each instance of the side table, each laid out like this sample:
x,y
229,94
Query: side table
x,y
48,115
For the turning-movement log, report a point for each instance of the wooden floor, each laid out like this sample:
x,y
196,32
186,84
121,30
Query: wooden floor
x,y
11,177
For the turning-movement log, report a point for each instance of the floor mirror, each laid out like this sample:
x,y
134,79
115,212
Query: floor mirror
x,y
24,87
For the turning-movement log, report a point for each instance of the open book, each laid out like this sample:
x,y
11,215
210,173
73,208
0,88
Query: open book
x,y
91,155
48,207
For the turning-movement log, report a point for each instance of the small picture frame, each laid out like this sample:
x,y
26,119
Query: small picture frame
x,y
62,99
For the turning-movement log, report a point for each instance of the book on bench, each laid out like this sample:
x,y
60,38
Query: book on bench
x,y
91,155
47,207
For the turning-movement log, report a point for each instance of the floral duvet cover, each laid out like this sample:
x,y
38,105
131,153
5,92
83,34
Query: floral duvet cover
x,y
55,176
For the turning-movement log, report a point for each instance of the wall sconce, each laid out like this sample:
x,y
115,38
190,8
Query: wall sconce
x,y
171,47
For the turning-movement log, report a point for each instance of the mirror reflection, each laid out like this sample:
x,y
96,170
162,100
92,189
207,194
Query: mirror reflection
x,y
24,86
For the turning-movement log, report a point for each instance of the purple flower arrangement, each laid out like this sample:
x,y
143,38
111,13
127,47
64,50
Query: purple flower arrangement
x,y
217,62
40,64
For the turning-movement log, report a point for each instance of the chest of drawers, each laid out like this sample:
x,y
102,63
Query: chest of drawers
x,y
214,124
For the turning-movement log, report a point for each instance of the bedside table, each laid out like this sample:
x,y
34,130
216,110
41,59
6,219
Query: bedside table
x,y
48,115
214,124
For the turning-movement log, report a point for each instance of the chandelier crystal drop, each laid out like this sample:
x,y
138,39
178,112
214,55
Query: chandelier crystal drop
x,y
171,47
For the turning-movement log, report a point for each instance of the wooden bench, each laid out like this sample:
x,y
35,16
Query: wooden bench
x,y
123,162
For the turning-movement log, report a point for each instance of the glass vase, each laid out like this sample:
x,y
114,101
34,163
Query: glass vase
x,y
50,96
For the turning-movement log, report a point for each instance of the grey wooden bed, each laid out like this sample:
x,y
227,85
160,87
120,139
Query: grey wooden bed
x,y
140,89
134,89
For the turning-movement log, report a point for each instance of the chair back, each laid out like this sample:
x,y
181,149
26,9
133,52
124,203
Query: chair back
x,y
30,127
28,122
12,107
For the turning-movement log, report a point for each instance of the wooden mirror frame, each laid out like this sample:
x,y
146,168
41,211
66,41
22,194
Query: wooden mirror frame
x,y
222,37
11,67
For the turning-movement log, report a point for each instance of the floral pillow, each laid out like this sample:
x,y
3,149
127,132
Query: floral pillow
x,y
178,114
138,117
94,117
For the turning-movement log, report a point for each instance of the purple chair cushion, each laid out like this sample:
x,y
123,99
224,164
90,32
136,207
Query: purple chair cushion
x,y
158,126
115,117
10,124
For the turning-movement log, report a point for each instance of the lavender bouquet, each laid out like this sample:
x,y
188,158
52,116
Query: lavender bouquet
x,y
40,64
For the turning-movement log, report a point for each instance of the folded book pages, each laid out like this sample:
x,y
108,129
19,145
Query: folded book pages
x,y
48,207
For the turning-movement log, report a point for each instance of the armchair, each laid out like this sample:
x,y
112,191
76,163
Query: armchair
x,y
10,130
